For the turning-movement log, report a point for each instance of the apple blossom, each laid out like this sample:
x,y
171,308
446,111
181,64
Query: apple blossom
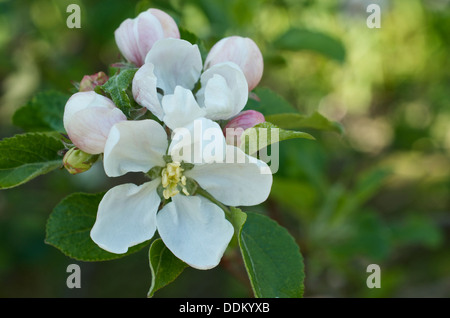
x,y
192,227
88,118
173,63
89,82
236,126
242,51
135,37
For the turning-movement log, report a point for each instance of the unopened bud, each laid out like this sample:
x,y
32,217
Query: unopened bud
x,y
88,118
135,37
89,82
77,161
242,51
236,126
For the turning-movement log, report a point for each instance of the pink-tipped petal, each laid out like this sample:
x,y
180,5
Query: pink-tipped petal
x,y
147,30
136,37
89,128
88,117
242,51
168,24
127,43
236,126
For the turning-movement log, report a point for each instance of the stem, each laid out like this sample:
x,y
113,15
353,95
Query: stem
x,y
213,200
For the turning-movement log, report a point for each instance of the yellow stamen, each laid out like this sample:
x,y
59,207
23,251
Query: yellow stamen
x,y
172,177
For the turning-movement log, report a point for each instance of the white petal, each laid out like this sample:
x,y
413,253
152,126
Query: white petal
x,y
177,62
88,129
242,51
144,90
180,108
202,141
127,42
84,100
134,146
224,91
126,216
147,30
245,182
168,24
195,230
135,37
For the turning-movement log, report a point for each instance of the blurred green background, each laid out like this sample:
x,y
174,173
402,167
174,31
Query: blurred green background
x,y
377,194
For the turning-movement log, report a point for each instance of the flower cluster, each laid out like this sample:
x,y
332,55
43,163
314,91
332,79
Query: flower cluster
x,y
193,169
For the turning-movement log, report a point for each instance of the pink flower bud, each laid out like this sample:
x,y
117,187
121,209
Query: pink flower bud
x,y
236,126
89,82
242,51
135,37
88,118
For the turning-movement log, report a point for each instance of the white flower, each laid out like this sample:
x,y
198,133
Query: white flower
x,y
191,226
174,65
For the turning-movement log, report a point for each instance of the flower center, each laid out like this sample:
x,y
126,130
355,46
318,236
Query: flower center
x,y
173,180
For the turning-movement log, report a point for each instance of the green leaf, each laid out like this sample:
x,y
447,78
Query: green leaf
x,y
44,112
301,39
268,102
265,134
165,266
70,224
281,113
299,121
24,157
117,87
272,258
